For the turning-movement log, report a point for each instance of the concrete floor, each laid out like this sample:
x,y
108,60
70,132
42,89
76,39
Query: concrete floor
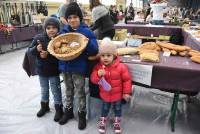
x,y
148,112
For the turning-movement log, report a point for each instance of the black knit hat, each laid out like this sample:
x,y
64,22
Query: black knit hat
x,y
53,22
73,9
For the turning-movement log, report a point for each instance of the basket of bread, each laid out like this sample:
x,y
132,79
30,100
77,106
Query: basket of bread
x,y
67,46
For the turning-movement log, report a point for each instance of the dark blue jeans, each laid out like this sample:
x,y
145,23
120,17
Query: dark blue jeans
x,y
117,108
54,82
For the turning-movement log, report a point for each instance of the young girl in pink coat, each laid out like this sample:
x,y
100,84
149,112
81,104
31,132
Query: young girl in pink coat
x,y
114,82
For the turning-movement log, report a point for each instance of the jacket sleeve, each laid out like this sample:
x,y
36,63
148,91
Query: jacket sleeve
x,y
96,24
126,80
33,47
94,76
92,47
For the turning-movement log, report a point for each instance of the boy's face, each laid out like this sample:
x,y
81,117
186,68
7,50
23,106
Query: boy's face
x,y
107,59
51,31
73,21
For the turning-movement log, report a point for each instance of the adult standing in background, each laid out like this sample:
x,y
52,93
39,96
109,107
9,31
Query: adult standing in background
x,y
102,26
158,11
61,12
129,13
148,10
114,13
102,21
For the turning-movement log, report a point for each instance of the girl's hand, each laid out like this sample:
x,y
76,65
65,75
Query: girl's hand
x,y
43,54
39,46
126,97
101,72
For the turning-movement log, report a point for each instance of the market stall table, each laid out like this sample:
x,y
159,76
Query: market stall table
x,y
19,34
173,74
191,41
148,30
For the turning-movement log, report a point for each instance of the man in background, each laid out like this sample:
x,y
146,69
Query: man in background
x,y
61,11
129,13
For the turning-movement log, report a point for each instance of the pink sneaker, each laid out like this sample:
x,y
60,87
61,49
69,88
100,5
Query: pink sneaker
x,y
117,126
102,125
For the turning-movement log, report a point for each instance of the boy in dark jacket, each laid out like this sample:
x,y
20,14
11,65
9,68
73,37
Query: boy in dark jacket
x,y
74,71
47,68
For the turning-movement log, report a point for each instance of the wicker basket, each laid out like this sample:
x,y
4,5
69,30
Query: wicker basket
x,y
70,37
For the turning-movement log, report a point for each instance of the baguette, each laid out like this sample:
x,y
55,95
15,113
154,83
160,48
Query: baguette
x,y
172,46
195,59
194,53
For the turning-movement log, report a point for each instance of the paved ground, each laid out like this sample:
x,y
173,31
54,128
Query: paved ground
x,y
147,114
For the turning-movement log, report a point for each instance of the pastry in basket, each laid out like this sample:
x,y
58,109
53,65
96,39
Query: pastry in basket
x,y
152,57
65,49
127,51
57,45
58,51
196,59
67,46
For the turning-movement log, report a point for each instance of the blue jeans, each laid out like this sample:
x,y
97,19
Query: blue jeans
x,y
117,108
55,88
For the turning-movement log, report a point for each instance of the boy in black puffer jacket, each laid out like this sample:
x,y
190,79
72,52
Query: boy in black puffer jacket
x,y
47,68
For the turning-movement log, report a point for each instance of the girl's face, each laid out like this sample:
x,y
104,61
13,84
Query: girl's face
x,y
51,31
107,59
73,21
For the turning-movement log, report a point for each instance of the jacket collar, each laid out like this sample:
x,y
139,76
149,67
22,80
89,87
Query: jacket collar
x,y
68,28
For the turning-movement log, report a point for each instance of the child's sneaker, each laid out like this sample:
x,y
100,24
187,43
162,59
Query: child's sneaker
x,y
116,125
102,125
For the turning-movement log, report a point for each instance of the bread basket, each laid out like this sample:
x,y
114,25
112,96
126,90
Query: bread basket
x,y
68,37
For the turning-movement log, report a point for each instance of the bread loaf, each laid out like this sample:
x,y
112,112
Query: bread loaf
x,y
152,57
196,59
183,53
127,51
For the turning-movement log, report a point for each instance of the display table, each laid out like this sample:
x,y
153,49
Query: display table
x,y
19,34
173,74
148,30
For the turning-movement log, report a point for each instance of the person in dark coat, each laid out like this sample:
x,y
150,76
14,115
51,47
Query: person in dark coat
x,y
148,11
47,68
114,14
129,13
102,21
